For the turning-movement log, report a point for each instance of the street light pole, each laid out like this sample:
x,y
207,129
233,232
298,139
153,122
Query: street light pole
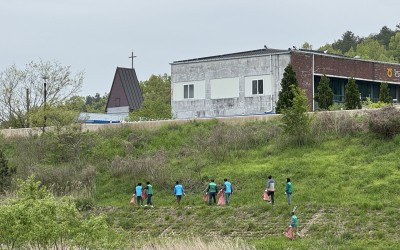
x,y
45,78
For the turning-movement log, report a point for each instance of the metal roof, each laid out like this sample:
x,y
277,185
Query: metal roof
x,y
102,118
131,88
258,52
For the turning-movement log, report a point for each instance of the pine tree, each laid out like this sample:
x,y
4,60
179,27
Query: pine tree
x,y
324,96
352,95
286,95
5,172
384,95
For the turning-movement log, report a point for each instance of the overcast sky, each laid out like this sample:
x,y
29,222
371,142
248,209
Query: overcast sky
x,y
97,36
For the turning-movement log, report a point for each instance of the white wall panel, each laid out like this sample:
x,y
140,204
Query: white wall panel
x,y
199,90
267,86
224,88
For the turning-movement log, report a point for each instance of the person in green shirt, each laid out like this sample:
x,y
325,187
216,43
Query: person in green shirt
x,y
289,190
293,224
212,190
149,189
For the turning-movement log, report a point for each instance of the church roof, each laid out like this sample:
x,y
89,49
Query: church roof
x,y
126,86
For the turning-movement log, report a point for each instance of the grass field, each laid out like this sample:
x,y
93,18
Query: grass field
x,y
345,182
345,190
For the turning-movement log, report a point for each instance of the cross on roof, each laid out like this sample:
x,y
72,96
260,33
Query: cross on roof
x,y
132,56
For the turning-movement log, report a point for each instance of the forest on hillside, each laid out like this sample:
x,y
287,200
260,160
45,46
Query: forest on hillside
x,y
380,46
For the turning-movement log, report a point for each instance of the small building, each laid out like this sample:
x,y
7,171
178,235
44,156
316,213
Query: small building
x,y
125,94
248,83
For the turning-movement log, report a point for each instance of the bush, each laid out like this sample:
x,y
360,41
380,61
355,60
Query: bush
x,y
338,123
36,218
385,122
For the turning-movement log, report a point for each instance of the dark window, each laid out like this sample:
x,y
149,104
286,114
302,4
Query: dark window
x,y
257,87
117,102
188,91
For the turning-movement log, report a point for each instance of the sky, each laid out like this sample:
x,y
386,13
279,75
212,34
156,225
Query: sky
x,y
97,36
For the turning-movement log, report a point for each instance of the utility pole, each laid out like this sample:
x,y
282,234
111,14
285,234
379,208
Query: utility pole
x,y
44,100
27,107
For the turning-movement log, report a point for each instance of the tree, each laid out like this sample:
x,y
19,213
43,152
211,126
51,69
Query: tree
x,y
306,45
296,120
324,97
383,37
5,172
23,89
286,94
371,49
329,49
96,104
348,41
394,46
352,95
384,95
157,99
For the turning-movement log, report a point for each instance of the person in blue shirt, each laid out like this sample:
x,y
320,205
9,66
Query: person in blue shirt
x,y
138,191
228,191
178,192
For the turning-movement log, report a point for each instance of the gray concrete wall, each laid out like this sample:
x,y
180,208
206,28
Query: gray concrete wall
x,y
27,132
272,65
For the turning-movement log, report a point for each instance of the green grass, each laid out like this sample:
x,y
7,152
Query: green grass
x,y
351,183
345,186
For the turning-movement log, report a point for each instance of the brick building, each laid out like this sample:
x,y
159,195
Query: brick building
x,y
248,83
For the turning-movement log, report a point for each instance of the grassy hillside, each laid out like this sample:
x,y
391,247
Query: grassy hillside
x,y
345,182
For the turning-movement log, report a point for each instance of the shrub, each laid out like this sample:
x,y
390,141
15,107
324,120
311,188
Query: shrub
x,y
338,123
385,122
36,218
296,120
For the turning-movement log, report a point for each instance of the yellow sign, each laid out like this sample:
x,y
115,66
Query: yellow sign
x,y
389,72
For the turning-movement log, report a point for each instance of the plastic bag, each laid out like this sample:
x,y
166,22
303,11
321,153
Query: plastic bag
x,y
221,198
289,233
205,197
265,196
133,201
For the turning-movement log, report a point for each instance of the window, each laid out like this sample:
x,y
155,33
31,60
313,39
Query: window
x,y
188,91
117,102
258,87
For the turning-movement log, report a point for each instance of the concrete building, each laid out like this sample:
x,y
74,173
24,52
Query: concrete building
x,y
248,83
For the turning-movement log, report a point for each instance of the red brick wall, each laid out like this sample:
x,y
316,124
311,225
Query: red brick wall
x,y
342,67
355,68
302,65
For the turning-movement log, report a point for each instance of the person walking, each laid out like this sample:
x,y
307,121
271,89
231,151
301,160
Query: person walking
x,y
271,189
289,190
211,190
149,189
178,192
228,191
138,191
293,224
